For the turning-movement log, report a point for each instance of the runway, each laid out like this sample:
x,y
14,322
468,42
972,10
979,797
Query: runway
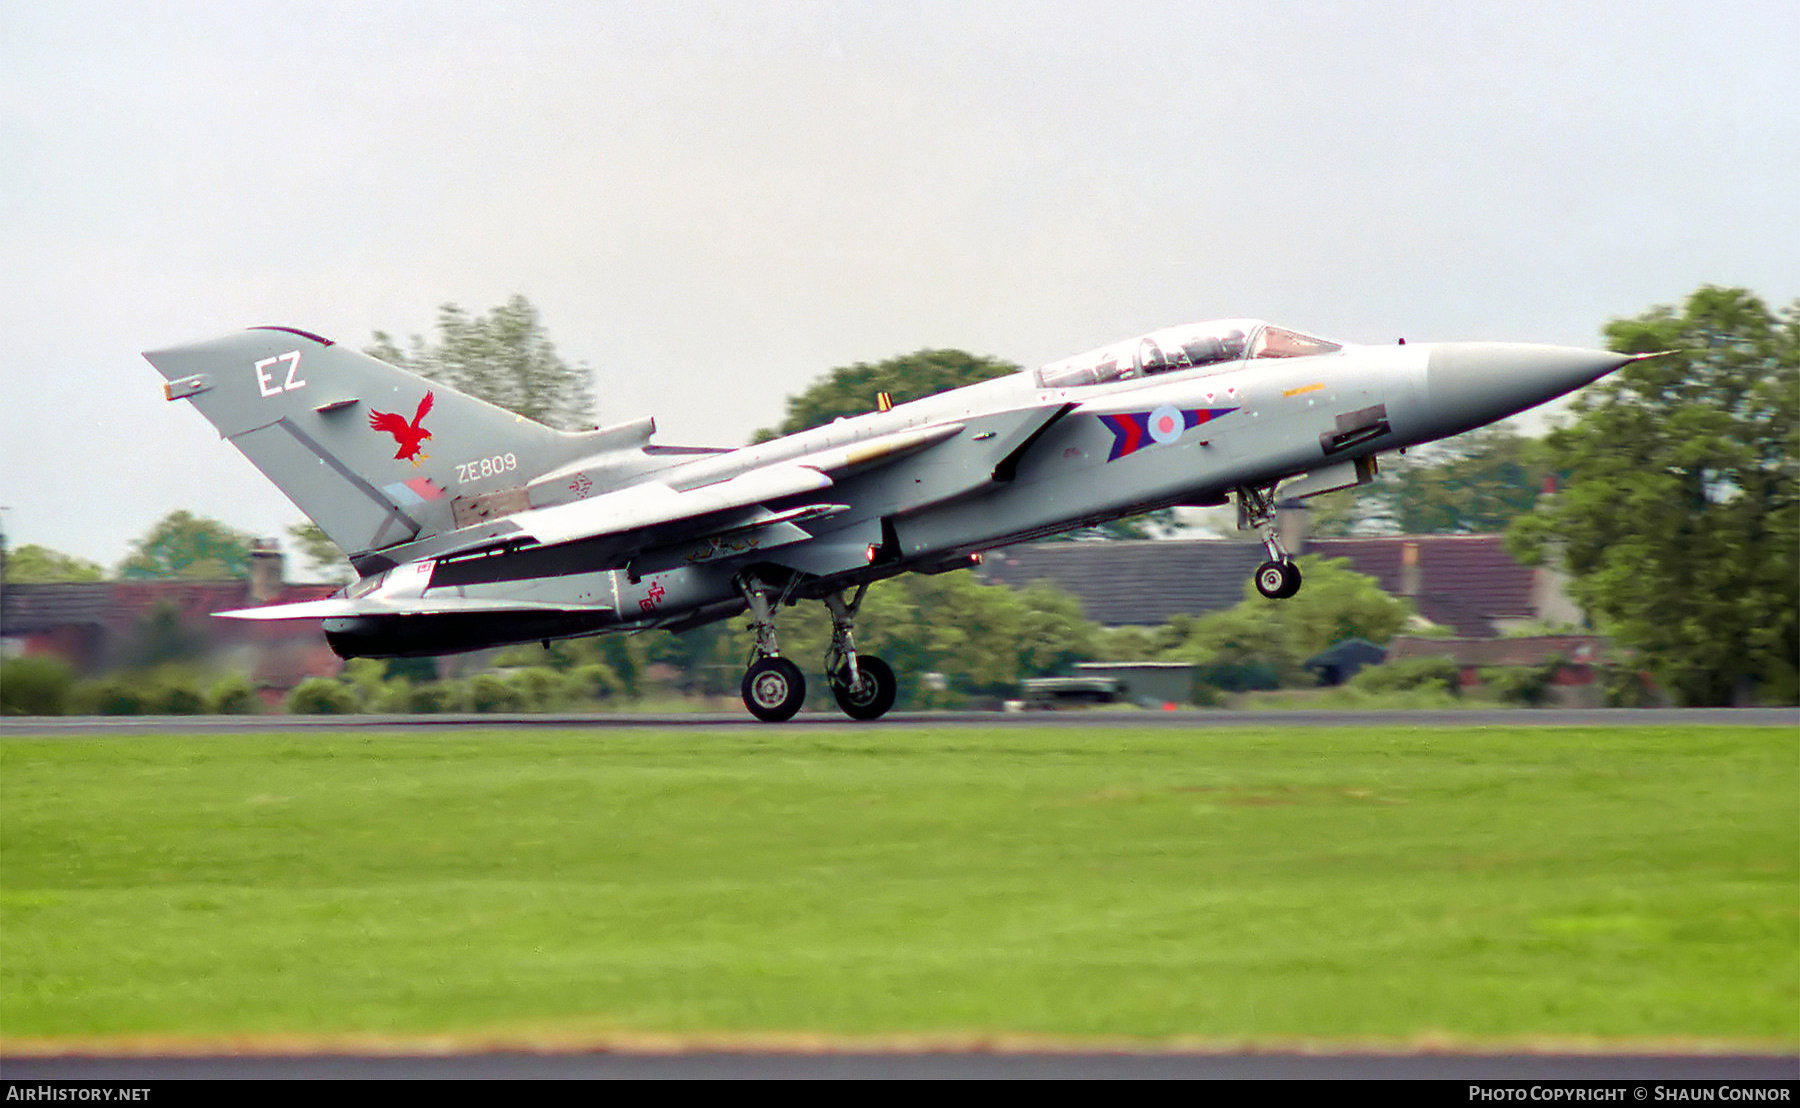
x,y
852,1064
735,720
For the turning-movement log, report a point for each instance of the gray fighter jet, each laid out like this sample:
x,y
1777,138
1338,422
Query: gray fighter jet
x,y
472,527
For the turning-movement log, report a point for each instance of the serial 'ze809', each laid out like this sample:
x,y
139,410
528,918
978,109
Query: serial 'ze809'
x,y
471,527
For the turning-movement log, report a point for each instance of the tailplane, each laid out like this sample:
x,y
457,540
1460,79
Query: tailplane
x,y
371,453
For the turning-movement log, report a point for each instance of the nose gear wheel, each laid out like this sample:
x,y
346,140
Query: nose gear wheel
x,y
1278,580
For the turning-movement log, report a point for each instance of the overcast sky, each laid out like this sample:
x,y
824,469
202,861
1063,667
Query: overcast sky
x,y
712,204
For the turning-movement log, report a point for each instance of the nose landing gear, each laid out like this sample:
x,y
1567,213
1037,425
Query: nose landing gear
x,y
1279,577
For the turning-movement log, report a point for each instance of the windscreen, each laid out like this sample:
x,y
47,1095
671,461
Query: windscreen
x,y
1193,346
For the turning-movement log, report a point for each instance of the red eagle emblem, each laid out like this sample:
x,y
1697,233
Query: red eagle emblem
x,y
409,435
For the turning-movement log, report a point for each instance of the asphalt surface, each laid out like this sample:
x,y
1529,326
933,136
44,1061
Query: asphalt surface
x,y
1186,718
921,1065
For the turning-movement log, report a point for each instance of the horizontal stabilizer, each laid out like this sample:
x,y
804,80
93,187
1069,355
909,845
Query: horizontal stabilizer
x,y
343,607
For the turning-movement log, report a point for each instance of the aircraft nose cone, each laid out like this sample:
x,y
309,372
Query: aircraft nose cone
x,y
1474,383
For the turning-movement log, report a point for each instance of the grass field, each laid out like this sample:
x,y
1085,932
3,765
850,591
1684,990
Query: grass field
x,y
1247,884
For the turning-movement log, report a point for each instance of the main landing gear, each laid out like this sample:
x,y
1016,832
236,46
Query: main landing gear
x,y
774,688
1279,577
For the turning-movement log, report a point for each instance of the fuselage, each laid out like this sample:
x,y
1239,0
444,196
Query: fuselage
x,y
1182,416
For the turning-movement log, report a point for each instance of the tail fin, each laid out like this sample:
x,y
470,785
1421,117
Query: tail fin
x,y
371,453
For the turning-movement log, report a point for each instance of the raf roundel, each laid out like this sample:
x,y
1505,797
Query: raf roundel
x,y
1166,424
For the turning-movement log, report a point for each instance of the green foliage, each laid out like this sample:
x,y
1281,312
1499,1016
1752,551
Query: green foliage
x,y
35,687
161,636
1376,887
116,695
983,639
504,357
1440,675
233,695
543,689
1263,644
322,696
180,698
322,555
1473,483
34,564
1489,478
851,390
432,696
188,546
163,691
1626,687
45,686
1529,686
367,682
1679,513
490,692
597,681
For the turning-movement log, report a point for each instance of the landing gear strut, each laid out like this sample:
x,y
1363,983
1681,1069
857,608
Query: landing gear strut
x,y
774,688
1279,577
864,687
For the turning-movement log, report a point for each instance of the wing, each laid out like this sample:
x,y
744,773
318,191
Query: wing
x,y
424,409
343,607
723,495
615,525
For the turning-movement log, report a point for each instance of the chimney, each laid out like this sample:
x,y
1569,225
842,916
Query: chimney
x,y
266,570
1410,578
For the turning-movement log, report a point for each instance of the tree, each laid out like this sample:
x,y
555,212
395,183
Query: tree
x,y
321,553
33,564
503,357
1262,642
1678,518
185,545
1473,483
851,390
160,636
1487,478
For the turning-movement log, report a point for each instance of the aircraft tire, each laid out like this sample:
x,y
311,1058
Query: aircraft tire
x,y
773,689
873,695
1278,580
1293,585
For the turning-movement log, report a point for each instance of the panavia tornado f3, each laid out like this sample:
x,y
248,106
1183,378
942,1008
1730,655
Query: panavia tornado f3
x,y
472,527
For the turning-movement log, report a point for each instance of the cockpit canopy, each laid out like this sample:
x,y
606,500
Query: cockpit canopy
x,y
1192,346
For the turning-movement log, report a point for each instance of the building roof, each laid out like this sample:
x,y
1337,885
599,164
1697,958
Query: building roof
x,y
1530,650
115,608
29,609
1134,581
1464,582
1361,652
